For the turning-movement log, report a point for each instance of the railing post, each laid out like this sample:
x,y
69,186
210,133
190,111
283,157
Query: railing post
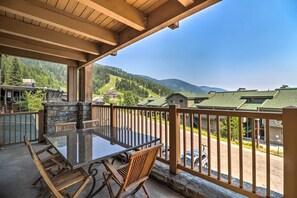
x,y
113,123
41,125
290,148
174,138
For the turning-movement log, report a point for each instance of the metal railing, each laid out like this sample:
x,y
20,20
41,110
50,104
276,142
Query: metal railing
x,y
13,127
216,135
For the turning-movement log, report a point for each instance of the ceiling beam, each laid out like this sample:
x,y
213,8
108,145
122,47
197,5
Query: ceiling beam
x,y
48,16
118,10
18,28
186,3
36,46
157,20
34,55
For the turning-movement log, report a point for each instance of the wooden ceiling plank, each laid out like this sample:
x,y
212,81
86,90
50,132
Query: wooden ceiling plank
x,y
45,15
186,3
38,56
158,19
36,46
120,11
19,28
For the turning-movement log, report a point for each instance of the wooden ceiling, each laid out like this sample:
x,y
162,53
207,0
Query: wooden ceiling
x,y
80,32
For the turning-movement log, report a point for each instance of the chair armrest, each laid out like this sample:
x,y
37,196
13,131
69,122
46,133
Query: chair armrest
x,y
113,171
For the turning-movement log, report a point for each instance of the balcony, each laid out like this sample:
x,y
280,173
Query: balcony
x,y
229,165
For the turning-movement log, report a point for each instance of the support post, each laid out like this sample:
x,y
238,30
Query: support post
x,y
290,148
71,84
85,84
41,125
113,122
174,138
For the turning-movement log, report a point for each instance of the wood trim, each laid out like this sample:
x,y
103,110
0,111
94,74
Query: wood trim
x,y
186,3
41,13
38,56
18,28
38,47
85,84
120,11
71,84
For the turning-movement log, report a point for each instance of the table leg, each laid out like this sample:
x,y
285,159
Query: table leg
x,y
93,172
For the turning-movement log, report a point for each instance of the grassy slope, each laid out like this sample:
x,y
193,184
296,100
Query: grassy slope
x,y
111,85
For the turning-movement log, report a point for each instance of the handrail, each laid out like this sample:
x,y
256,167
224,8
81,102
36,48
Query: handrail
x,y
182,132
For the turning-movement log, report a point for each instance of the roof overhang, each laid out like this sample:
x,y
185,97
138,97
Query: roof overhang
x,y
80,32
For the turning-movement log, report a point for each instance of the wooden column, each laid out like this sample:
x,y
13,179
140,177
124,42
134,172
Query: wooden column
x,y
41,125
85,84
290,148
71,84
174,138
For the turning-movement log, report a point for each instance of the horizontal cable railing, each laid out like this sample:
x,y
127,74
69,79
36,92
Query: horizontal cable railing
x,y
216,135
13,127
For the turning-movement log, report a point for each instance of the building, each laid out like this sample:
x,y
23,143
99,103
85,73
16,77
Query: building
x,y
187,99
111,94
240,100
9,95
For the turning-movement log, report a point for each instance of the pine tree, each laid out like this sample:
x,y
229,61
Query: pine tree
x,y
17,74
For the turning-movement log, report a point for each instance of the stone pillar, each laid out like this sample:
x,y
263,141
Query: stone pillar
x,y
56,112
84,113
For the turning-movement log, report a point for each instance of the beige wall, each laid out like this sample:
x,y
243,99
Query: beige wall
x,y
175,99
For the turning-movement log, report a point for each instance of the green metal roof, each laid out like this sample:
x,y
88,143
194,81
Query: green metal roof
x,y
260,94
284,98
158,102
145,101
190,95
230,100
251,106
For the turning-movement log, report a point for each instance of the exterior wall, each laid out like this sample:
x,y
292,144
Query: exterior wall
x,y
190,102
56,112
175,99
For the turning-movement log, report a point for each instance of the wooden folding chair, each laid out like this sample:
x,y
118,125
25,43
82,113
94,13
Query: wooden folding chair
x,y
65,126
131,175
90,123
58,184
50,162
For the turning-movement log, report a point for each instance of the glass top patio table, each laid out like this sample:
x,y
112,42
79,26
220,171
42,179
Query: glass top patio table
x,y
86,146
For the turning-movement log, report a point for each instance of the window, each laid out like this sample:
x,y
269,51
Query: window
x,y
181,100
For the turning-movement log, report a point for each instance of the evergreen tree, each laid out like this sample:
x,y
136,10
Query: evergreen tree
x,y
16,72
234,122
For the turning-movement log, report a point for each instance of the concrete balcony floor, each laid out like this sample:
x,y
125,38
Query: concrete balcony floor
x,y
18,172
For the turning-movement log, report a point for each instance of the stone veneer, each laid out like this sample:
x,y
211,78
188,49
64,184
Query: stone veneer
x,y
56,112
194,187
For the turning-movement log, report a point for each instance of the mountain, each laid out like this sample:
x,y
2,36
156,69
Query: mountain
x,y
179,85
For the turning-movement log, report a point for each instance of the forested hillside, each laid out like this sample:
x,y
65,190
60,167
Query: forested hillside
x,y
129,82
46,74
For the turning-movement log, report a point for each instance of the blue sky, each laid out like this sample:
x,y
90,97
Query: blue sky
x,y
235,43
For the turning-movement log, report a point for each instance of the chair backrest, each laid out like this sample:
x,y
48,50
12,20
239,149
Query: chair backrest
x,y
141,164
45,177
90,123
65,126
